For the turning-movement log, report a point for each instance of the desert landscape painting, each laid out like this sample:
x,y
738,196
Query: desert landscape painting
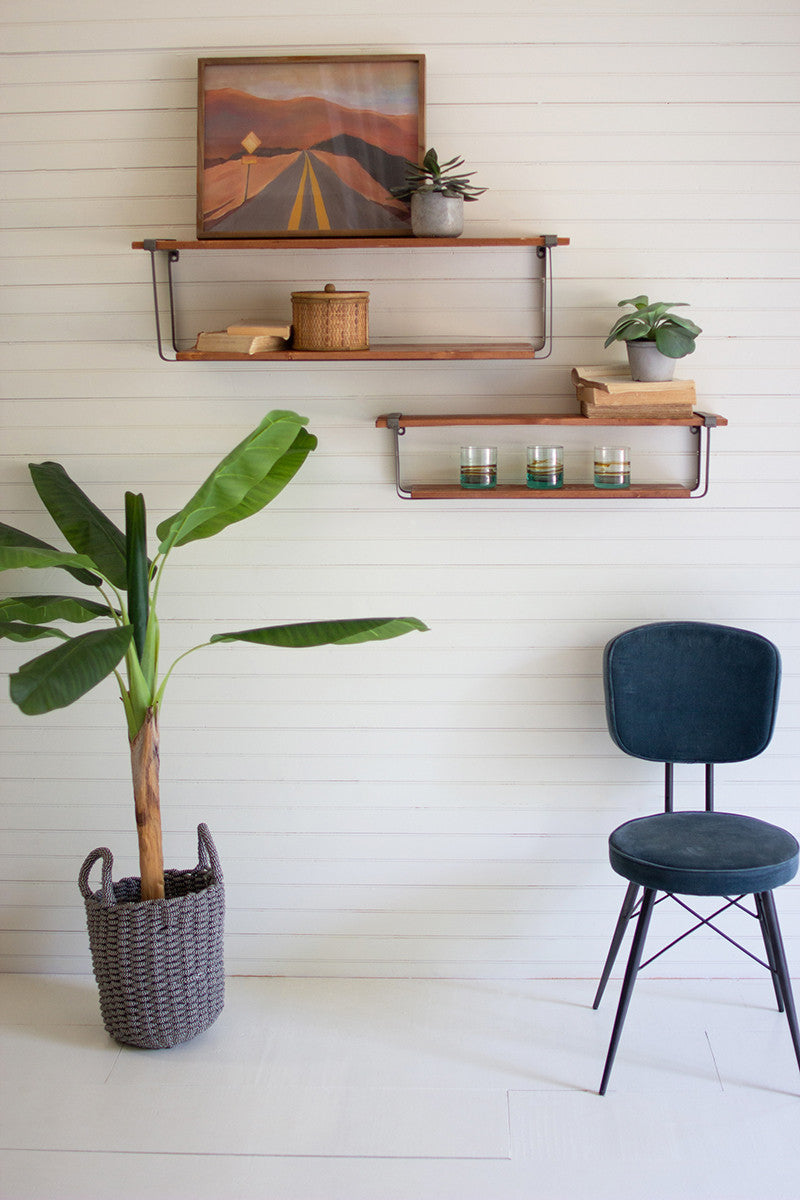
x,y
307,146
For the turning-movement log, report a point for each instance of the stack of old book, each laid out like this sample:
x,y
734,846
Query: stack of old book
x,y
609,391
246,337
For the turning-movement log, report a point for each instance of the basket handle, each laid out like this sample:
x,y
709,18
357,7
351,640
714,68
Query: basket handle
x,y
107,888
207,852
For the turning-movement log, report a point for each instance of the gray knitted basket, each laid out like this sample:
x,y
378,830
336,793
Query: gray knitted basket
x,y
158,963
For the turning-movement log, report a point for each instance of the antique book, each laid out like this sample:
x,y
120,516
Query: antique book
x,y
609,389
221,342
272,326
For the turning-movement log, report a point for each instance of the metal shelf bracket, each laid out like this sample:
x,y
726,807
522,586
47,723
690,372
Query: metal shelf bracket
x,y
546,252
703,435
398,431
173,256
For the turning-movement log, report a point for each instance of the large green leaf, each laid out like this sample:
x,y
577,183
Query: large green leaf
x,y
137,568
87,529
36,609
14,558
259,496
248,478
57,678
326,633
11,538
18,631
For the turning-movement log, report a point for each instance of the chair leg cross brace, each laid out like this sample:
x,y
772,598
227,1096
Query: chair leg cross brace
x,y
709,921
630,910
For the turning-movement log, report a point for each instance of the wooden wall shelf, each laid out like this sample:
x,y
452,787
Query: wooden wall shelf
x,y
570,491
406,421
378,352
345,243
171,248
700,425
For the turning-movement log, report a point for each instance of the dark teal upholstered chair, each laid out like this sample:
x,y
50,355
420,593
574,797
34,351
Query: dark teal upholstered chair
x,y
691,692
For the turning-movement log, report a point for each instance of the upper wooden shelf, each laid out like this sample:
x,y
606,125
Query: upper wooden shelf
x,y
378,351
341,243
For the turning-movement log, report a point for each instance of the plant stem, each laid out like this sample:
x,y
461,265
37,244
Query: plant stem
x,y
146,796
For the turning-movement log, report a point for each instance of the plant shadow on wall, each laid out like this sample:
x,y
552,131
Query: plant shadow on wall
x,y
156,940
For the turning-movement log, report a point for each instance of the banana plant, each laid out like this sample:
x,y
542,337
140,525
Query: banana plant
x,y
115,563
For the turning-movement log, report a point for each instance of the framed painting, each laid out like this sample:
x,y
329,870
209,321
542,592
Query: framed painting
x,y
307,146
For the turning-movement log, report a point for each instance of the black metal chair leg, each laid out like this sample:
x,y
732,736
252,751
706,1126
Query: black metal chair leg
x,y
765,933
628,905
634,959
781,968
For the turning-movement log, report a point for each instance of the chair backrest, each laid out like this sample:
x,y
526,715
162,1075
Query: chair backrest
x,y
688,692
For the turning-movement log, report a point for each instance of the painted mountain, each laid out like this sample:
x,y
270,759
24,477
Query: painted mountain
x,y
304,166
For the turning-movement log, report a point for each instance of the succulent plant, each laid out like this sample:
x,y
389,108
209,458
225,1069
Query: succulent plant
x,y
434,176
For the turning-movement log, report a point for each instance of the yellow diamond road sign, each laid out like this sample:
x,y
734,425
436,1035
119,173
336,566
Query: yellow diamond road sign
x,y
251,142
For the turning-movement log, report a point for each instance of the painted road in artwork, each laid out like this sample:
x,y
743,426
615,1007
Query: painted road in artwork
x,y
307,195
301,165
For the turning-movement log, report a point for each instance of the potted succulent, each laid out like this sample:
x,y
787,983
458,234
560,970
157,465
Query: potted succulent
x,y
437,192
156,940
654,338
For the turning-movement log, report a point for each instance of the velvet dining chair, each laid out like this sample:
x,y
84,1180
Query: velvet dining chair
x,y
694,692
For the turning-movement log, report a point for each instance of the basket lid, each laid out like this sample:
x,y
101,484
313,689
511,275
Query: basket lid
x,y
330,293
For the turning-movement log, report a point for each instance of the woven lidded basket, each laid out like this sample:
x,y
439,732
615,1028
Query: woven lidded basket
x,y
158,963
330,320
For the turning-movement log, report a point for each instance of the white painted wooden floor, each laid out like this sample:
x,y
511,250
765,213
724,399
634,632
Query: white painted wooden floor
x,y
310,1089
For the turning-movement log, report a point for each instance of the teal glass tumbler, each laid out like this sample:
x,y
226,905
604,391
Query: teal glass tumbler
x,y
478,466
545,466
612,466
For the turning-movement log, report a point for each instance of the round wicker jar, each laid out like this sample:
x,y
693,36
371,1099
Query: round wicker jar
x,y
330,320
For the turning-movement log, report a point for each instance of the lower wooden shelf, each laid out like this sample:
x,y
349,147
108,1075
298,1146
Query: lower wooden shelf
x,y
699,424
378,352
570,491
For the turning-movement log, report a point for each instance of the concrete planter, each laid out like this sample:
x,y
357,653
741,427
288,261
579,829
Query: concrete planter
x,y
435,215
648,364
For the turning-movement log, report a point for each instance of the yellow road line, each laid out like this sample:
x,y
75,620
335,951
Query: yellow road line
x,y
319,203
297,207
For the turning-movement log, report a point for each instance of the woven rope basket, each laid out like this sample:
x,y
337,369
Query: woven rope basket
x,y
330,320
158,963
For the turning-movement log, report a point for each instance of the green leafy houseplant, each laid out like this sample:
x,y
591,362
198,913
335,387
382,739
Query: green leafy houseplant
x,y
115,563
674,336
434,176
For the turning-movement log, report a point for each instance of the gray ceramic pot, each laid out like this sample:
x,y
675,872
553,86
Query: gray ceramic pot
x,y
435,215
648,364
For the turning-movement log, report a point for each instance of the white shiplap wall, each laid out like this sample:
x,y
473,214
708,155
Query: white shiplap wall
x,y
437,805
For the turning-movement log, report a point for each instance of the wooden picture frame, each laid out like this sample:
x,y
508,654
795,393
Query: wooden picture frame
x,y
307,145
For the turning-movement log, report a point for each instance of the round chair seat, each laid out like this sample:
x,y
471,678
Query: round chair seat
x,y
704,853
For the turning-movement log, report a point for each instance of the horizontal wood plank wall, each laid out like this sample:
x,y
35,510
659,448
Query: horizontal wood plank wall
x,y
438,805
